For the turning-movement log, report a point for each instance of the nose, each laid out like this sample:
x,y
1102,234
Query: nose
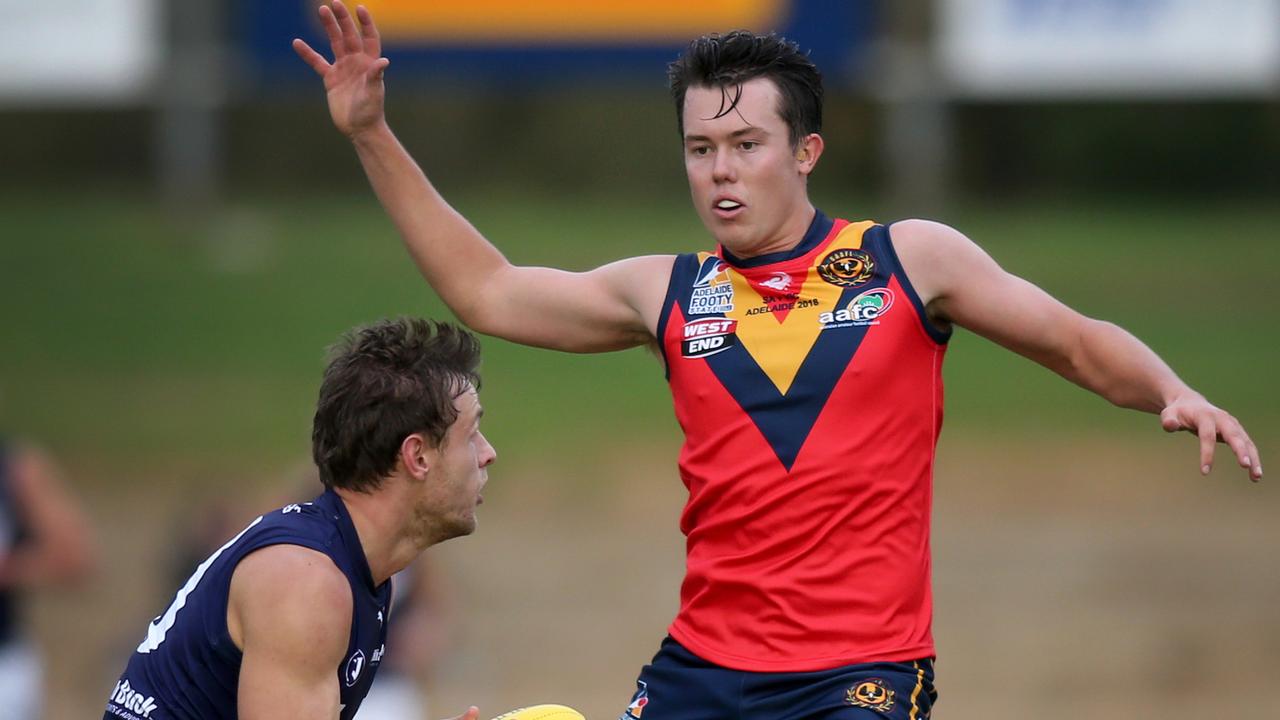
x,y
723,169
487,453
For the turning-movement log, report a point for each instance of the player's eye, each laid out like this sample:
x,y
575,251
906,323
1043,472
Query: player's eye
x,y
699,150
749,145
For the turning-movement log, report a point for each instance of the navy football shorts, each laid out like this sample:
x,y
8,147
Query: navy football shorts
x,y
678,685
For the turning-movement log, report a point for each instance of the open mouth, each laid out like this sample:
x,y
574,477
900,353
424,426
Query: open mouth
x,y
726,208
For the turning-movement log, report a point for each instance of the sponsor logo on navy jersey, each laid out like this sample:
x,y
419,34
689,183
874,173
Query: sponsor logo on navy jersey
x,y
847,267
865,309
129,699
874,694
708,336
354,667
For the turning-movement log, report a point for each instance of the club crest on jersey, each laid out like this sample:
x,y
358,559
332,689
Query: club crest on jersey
x,y
847,267
354,667
865,309
874,694
712,291
707,336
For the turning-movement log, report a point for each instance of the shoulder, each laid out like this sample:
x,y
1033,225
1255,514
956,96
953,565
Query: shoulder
x,y
926,238
291,597
934,255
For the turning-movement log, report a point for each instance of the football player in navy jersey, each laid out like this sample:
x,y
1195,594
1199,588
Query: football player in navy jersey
x,y
289,618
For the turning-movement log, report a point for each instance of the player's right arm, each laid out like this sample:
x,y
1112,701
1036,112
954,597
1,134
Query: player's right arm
x,y
289,612
609,308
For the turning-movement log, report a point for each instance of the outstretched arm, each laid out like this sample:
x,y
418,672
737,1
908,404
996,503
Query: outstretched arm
x,y
612,307
956,280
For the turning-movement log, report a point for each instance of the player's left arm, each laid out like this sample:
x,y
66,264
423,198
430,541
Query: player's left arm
x,y
961,284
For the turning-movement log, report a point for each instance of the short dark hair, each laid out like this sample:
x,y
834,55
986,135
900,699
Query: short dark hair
x,y
727,61
384,382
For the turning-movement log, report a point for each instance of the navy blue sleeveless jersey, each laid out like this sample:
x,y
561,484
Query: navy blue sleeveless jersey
x,y
187,667
13,533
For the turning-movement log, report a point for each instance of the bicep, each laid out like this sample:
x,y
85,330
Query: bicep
x,y
609,308
962,284
292,609
1016,314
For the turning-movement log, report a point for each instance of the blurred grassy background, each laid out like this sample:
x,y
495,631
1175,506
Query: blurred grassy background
x,y
168,359
139,337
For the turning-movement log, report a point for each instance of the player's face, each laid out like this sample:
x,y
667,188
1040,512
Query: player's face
x,y
459,472
749,184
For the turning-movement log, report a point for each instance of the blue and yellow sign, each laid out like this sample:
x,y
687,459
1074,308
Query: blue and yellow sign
x,y
534,42
570,21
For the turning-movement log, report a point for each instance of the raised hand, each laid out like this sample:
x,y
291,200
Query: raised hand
x,y
1213,425
353,81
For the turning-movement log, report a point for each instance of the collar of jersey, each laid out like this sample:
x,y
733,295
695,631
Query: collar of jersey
x,y
349,535
818,230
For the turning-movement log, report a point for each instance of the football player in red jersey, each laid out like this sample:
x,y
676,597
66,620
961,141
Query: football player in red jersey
x,y
804,357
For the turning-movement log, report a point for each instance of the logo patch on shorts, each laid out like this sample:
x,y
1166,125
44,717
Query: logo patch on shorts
x,y
874,694
847,267
638,702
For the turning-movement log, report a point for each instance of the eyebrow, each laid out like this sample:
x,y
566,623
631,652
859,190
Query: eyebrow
x,y
735,134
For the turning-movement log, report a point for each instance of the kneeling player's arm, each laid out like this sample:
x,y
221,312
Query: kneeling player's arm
x,y
289,612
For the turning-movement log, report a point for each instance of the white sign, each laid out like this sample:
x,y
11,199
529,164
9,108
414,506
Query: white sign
x,y
78,51
1170,48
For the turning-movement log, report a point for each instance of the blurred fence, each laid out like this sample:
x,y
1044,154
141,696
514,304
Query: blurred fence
x,y
925,99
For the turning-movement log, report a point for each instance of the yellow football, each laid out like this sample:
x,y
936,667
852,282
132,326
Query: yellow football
x,y
542,712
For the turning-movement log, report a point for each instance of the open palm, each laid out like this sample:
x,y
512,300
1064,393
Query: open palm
x,y
353,81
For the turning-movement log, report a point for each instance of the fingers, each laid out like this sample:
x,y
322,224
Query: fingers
x,y
1237,439
347,25
311,57
1169,420
372,40
330,25
379,68
1208,432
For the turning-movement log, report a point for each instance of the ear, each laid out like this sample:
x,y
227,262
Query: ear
x,y
808,152
416,455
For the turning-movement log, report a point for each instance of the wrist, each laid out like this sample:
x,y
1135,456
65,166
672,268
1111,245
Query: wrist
x,y
1182,394
373,134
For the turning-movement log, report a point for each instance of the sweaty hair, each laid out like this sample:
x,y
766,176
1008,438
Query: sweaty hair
x,y
386,381
727,61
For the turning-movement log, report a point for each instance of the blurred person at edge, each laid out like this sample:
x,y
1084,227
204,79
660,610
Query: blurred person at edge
x,y
45,541
804,358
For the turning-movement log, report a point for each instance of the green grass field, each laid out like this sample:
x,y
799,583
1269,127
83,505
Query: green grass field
x,y
136,339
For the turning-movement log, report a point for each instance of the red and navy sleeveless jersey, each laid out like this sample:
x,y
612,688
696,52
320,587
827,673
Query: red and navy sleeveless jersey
x,y
809,388
188,668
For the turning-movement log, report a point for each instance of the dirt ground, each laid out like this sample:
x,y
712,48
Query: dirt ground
x,y
1073,578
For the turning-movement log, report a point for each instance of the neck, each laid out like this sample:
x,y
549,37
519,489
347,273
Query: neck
x,y
384,521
